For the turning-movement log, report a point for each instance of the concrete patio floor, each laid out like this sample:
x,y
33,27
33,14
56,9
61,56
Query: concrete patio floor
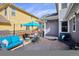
x,y
45,47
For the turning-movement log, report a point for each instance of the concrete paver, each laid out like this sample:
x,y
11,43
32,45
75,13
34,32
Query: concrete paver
x,y
43,48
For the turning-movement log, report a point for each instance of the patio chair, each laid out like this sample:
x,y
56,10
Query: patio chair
x,y
35,39
26,37
13,41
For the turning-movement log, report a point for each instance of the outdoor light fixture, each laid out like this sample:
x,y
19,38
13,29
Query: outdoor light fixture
x,y
76,13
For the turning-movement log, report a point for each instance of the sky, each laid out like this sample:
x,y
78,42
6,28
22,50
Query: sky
x,y
38,9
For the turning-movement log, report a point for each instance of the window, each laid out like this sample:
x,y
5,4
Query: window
x,y
64,26
74,24
13,12
64,5
5,12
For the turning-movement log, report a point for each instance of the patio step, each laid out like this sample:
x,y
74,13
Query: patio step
x,y
51,37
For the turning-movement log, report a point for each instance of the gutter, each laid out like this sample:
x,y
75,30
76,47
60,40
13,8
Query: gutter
x,y
55,17
68,10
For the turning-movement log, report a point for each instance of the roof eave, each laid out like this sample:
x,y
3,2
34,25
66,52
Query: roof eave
x,y
5,23
55,17
68,10
13,6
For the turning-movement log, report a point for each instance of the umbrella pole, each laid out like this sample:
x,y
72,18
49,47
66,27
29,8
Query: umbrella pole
x,y
32,29
14,30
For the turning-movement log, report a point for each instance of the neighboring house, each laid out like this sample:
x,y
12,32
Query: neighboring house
x,y
16,16
41,27
51,26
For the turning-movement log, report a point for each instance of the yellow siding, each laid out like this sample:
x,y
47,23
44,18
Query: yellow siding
x,y
34,19
19,19
2,13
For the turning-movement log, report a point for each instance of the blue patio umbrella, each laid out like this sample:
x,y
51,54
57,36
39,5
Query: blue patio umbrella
x,y
31,24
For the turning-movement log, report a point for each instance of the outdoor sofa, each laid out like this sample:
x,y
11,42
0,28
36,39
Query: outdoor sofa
x,y
13,41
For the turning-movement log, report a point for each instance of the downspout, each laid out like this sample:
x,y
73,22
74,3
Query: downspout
x,y
8,14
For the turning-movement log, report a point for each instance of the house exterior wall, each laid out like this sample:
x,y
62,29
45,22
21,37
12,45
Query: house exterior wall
x,y
18,19
61,13
53,25
75,35
74,9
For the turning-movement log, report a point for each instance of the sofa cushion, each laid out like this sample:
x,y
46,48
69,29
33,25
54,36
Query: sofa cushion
x,y
13,41
2,45
9,40
15,38
5,42
14,45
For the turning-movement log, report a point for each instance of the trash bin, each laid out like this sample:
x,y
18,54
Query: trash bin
x,y
66,39
64,36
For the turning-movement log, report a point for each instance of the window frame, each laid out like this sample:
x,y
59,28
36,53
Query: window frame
x,y
5,11
74,24
64,26
13,13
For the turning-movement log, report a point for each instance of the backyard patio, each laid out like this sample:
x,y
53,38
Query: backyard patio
x,y
43,47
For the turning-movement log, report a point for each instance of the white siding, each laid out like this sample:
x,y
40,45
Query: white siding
x,y
62,13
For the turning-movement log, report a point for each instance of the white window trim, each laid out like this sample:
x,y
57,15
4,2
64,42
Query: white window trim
x,y
5,11
68,26
13,10
71,17
75,25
